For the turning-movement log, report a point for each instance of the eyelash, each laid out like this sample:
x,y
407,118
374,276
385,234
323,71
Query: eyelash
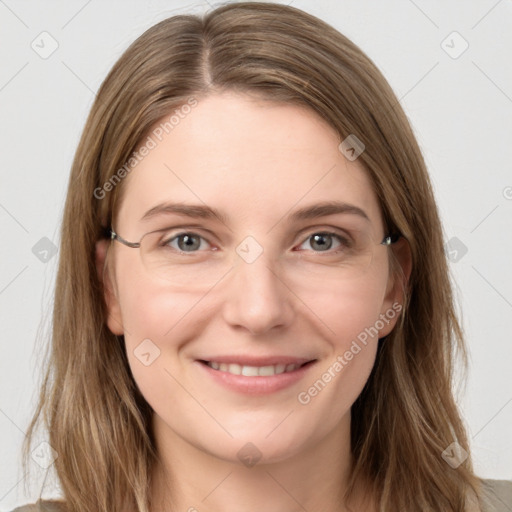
x,y
345,242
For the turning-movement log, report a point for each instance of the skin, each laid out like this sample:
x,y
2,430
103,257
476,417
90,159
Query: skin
x,y
257,162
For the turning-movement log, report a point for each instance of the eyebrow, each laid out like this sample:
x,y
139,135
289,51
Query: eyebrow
x,y
314,211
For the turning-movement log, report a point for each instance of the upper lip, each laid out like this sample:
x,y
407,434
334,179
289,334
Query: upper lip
x,y
244,360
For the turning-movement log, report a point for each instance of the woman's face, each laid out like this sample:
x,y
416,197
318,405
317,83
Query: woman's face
x,y
254,289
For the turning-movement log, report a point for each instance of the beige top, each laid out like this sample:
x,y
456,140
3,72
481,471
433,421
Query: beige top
x,y
497,498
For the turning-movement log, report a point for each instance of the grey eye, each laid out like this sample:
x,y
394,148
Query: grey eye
x,y
187,242
322,241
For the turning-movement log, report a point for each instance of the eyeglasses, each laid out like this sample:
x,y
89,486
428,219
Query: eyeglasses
x,y
350,258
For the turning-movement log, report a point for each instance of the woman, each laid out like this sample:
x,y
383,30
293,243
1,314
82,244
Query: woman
x,y
253,305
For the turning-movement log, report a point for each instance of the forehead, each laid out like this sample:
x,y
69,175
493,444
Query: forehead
x,y
251,159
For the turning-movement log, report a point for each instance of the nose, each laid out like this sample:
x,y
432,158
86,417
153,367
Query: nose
x,y
257,298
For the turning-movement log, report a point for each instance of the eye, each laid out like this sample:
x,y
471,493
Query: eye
x,y
186,242
322,241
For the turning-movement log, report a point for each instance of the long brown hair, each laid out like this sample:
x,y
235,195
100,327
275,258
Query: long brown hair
x,y
98,422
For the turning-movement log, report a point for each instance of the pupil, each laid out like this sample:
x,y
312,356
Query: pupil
x,y
189,241
322,245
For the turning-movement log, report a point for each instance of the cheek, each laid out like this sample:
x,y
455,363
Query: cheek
x,y
148,308
351,316
151,319
347,309
150,313
152,340
333,387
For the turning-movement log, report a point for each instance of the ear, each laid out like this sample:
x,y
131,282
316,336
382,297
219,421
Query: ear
x,y
114,320
397,283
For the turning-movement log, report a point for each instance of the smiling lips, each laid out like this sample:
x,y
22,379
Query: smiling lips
x,y
256,367
253,375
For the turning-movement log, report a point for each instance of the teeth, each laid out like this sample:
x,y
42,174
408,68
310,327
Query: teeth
x,y
280,368
248,371
266,370
253,371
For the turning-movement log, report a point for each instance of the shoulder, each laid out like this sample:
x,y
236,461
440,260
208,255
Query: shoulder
x,y
42,506
496,495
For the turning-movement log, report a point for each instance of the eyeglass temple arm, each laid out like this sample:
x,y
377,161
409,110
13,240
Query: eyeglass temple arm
x,y
114,236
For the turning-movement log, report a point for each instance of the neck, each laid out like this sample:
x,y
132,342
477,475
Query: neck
x,y
190,479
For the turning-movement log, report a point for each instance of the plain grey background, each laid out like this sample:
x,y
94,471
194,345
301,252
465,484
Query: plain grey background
x,y
449,64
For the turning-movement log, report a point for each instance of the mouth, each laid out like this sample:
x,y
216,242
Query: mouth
x,y
253,374
267,370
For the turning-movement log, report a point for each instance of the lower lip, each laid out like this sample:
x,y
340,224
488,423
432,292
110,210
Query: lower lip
x,y
260,385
